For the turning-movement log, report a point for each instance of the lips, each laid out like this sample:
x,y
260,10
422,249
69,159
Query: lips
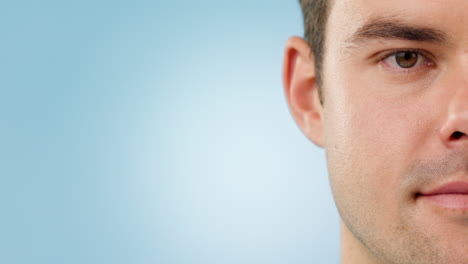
x,y
451,188
450,196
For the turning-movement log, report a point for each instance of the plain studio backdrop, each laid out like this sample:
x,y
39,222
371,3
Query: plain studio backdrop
x,y
140,131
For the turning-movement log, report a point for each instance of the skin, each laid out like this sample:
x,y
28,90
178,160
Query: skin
x,y
389,132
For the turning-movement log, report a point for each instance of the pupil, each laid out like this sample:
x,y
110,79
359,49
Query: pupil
x,y
406,59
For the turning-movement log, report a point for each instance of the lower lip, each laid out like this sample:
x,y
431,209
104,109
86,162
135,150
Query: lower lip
x,y
448,201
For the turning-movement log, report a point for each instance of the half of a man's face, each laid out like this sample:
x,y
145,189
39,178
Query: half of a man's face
x,y
395,125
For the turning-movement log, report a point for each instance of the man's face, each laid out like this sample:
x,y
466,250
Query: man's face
x,y
395,83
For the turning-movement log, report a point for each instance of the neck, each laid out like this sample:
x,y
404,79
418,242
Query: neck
x,y
353,251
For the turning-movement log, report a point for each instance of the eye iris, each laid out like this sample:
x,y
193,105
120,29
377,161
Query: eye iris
x,y
406,59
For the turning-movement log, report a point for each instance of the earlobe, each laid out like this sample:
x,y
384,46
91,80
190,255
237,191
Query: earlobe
x,y
301,91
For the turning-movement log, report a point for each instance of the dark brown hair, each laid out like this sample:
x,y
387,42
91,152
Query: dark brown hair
x,y
315,13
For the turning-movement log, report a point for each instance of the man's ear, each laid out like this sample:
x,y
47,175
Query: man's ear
x,y
299,79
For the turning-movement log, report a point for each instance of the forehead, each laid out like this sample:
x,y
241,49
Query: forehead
x,y
347,16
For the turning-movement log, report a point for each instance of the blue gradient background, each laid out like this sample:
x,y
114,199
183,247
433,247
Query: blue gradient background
x,y
155,132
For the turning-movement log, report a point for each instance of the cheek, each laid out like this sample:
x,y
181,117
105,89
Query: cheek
x,y
370,139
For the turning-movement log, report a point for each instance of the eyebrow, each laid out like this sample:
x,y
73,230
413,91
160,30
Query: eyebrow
x,y
396,29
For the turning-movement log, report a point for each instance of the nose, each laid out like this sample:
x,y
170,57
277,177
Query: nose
x,y
454,132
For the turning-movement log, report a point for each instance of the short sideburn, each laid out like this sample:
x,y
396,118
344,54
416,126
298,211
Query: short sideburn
x,y
315,14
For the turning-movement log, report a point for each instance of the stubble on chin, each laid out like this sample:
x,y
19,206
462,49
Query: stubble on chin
x,y
408,239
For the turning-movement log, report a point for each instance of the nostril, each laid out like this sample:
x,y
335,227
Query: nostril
x,y
457,135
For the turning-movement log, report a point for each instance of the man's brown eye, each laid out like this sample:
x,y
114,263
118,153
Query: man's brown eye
x,y
406,59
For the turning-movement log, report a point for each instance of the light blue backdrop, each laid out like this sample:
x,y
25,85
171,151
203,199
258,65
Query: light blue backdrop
x,y
139,131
